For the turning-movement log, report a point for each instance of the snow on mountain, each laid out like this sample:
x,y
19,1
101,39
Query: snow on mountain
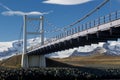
x,y
8,49
109,48
4,46
61,54
112,47
96,51
81,51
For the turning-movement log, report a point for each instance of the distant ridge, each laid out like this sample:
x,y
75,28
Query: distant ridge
x,y
95,52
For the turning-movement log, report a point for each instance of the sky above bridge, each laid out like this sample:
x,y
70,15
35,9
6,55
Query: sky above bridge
x,y
57,13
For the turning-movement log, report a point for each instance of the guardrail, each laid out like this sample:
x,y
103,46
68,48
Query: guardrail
x,y
94,23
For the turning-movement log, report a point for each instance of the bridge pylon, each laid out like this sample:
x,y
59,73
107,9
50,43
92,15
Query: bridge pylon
x,y
29,61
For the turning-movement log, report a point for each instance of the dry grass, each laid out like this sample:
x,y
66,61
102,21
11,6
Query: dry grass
x,y
89,61
92,61
13,62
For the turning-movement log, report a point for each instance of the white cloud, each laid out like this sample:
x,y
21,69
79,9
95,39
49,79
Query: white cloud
x,y
66,2
10,12
20,13
5,7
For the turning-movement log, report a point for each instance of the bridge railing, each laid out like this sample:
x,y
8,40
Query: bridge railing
x,y
82,27
94,23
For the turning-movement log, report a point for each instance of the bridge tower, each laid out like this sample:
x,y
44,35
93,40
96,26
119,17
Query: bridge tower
x,y
28,61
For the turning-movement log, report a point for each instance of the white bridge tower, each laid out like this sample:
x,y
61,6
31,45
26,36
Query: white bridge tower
x,y
28,61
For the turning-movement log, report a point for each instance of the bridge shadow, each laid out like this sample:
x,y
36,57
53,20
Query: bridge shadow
x,y
53,63
59,71
98,73
56,64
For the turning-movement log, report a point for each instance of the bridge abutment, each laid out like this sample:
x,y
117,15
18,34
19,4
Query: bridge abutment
x,y
42,61
36,61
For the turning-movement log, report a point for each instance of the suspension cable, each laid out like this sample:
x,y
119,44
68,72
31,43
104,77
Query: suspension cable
x,y
51,25
110,4
84,17
20,34
90,13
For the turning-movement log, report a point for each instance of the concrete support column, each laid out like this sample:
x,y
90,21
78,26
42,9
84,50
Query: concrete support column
x,y
42,30
24,63
36,61
24,60
42,61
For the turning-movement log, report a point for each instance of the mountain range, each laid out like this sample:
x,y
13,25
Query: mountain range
x,y
11,48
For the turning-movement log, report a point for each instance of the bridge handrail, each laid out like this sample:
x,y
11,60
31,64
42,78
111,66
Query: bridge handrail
x,y
91,24
95,23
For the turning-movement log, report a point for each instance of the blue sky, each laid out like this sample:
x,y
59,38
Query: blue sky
x,y
59,13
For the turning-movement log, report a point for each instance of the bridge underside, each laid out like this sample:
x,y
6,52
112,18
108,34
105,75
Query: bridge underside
x,y
112,33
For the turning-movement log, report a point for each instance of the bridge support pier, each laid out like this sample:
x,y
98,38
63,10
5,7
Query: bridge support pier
x,y
42,61
36,61
24,61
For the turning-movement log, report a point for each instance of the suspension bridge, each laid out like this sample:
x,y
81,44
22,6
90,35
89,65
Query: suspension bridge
x,y
101,29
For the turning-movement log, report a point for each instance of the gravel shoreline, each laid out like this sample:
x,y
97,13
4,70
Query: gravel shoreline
x,y
58,74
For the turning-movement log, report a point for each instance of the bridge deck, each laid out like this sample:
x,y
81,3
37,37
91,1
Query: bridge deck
x,y
100,33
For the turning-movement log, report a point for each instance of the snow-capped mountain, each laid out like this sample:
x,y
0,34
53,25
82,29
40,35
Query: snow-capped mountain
x,y
8,49
113,48
96,51
109,48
